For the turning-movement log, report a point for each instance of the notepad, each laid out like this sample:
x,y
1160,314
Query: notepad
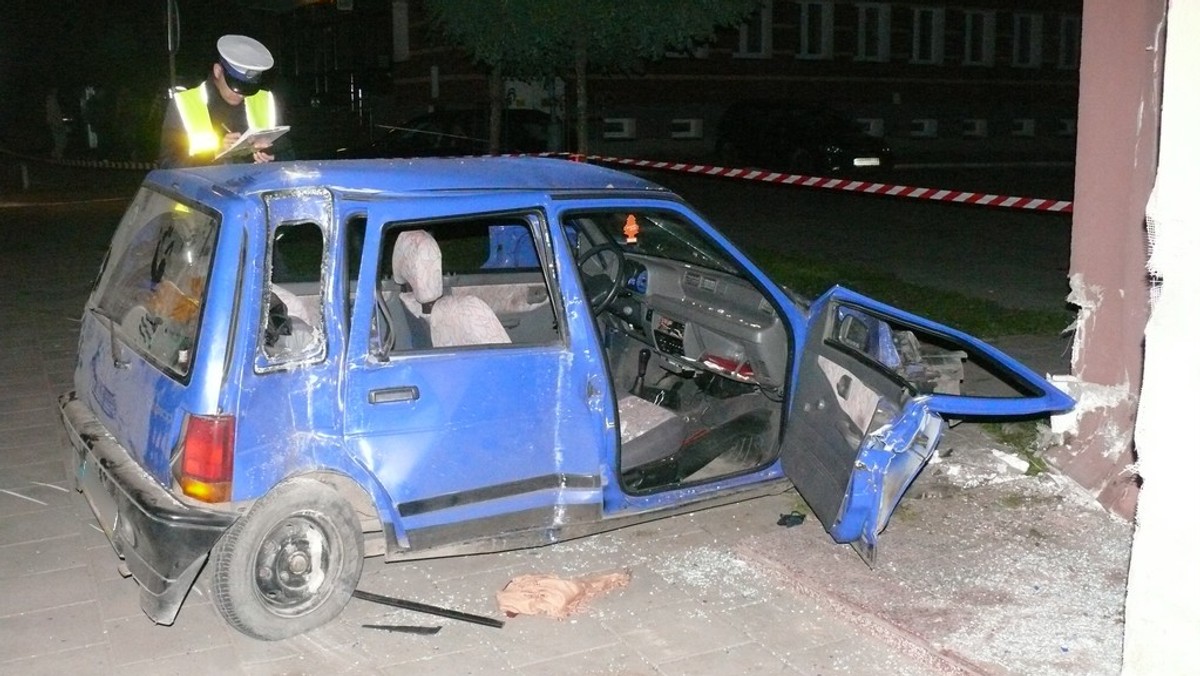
x,y
247,142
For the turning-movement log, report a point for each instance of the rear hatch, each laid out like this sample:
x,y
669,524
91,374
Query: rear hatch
x,y
139,330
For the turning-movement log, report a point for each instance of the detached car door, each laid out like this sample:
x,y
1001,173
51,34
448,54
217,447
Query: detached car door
x,y
875,384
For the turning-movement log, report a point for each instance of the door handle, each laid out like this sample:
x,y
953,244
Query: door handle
x,y
394,394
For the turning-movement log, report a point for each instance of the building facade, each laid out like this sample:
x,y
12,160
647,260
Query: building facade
x,y
968,78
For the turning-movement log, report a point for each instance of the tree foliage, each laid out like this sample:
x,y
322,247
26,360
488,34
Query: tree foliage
x,y
537,40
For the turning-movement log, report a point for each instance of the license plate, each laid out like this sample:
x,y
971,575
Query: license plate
x,y
866,161
103,505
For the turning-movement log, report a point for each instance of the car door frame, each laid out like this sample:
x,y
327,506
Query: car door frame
x,y
271,390
566,490
619,505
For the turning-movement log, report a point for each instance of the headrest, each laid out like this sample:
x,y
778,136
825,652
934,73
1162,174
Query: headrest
x,y
417,261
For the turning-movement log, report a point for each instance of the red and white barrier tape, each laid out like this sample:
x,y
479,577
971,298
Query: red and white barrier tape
x,y
105,164
819,182
87,164
956,196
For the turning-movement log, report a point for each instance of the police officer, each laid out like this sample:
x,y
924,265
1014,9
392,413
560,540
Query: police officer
x,y
202,121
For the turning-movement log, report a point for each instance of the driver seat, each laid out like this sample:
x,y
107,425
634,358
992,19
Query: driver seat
x,y
451,319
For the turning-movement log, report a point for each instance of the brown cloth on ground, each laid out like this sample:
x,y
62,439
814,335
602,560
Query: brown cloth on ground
x,y
555,596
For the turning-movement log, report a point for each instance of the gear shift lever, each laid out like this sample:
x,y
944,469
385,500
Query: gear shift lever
x,y
640,381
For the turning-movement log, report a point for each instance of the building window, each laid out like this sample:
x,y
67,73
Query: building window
x,y
816,30
923,128
754,36
1069,35
687,127
976,127
979,38
872,126
619,129
1024,126
929,35
874,31
1027,40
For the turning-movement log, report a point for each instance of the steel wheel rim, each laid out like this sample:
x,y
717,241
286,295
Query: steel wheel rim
x,y
292,566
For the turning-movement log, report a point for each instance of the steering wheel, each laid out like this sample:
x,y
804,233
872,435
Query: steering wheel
x,y
601,289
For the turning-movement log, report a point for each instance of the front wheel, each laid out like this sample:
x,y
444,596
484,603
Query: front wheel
x,y
289,565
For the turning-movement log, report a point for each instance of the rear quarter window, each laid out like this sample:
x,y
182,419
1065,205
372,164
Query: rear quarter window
x,y
154,282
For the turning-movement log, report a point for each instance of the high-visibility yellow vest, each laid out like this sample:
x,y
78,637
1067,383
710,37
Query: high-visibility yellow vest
x,y
193,110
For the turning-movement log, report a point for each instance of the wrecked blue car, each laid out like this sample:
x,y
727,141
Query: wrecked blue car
x,y
285,368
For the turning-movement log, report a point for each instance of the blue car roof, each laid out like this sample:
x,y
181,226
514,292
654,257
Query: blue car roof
x,y
400,176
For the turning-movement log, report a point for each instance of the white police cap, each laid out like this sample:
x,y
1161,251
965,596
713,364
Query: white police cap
x,y
244,60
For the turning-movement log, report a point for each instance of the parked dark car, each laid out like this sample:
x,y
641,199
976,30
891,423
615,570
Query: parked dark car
x,y
798,137
446,133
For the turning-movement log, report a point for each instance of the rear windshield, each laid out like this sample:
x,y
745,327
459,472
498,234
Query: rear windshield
x,y
155,277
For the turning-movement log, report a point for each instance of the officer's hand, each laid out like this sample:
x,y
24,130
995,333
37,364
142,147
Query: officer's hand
x,y
229,139
260,153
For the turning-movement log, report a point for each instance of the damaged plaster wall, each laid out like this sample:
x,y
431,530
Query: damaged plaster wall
x,y
1162,610
1115,160
1100,426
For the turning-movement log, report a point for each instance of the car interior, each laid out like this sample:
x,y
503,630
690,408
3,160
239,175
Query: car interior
x,y
697,354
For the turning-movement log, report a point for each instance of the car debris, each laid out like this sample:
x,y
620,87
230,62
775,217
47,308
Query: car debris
x,y
556,596
1011,461
428,609
405,629
795,518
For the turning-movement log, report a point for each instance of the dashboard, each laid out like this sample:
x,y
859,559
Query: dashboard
x,y
703,319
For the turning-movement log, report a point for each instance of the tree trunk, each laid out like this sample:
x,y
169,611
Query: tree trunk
x,y
581,106
495,108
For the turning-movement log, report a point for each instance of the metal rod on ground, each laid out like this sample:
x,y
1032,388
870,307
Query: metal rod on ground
x,y
423,608
404,629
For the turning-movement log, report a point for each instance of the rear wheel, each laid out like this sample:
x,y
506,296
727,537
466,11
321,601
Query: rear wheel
x,y
291,564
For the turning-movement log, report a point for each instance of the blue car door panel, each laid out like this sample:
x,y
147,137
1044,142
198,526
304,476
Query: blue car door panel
x,y
470,441
869,407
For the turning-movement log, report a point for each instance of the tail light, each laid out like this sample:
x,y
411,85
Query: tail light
x,y
206,463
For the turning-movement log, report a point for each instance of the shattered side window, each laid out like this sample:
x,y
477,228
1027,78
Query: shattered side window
x,y
156,277
294,325
926,363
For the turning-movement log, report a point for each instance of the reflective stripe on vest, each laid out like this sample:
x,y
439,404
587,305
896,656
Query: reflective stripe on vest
x,y
192,105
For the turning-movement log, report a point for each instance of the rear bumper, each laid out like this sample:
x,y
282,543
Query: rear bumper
x,y
163,541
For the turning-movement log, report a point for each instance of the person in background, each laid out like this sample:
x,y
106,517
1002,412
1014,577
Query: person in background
x,y
203,121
